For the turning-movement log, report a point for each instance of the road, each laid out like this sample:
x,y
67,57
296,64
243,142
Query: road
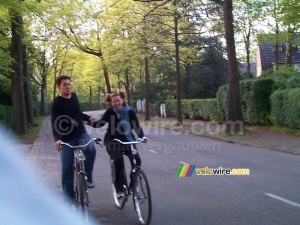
x,y
269,195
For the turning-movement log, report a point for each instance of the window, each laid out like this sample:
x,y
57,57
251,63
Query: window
x,y
280,49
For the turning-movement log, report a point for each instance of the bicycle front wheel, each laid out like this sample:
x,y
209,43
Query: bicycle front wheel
x,y
82,196
142,197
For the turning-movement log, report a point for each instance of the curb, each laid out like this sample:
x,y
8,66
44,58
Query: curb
x,y
234,142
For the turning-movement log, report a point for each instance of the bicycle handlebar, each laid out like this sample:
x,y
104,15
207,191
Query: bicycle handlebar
x,y
138,141
82,146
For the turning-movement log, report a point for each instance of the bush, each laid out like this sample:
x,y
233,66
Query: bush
x,y
7,116
204,109
255,102
222,102
284,77
285,107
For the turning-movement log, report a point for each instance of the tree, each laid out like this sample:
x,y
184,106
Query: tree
x,y
27,86
235,114
18,96
247,14
289,16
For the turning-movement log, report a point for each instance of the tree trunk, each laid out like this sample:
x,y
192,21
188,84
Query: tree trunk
x,y
276,48
17,88
127,86
43,110
105,72
27,87
187,82
235,115
99,97
90,102
275,3
43,85
147,75
289,50
178,95
248,58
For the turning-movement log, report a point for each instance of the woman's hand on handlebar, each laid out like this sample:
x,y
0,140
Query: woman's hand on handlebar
x,y
144,139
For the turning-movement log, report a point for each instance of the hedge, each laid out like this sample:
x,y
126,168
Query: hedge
x,y
255,102
204,109
285,108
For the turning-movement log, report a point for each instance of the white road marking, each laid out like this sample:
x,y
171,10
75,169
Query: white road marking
x,y
283,199
152,151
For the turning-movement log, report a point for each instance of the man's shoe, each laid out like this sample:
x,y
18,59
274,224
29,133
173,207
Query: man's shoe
x,y
90,184
121,195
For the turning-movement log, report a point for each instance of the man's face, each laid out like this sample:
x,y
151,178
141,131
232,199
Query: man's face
x,y
64,87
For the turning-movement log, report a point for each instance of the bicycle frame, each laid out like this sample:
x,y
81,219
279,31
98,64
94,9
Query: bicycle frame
x,y
139,187
79,159
80,188
133,152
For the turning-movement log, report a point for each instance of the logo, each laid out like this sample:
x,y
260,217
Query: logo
x,y
185,170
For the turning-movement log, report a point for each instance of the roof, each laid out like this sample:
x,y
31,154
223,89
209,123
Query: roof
x,y
268,56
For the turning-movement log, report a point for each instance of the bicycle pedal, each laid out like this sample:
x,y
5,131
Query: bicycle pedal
x,y
122,198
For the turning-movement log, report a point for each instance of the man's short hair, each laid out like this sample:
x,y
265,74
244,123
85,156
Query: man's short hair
x,y
62,77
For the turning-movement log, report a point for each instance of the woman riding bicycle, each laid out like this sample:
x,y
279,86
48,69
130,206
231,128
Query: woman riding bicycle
x,y
121,121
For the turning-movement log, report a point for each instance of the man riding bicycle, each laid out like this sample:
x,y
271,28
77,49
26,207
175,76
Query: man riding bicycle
x,y
67,126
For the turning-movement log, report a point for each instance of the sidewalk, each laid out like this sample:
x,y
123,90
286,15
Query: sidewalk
x,y
256,136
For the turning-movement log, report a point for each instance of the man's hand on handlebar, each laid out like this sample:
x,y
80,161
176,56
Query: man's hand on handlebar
x,y
58,145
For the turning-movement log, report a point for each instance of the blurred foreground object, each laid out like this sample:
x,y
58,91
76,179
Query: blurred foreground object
x,y
26,200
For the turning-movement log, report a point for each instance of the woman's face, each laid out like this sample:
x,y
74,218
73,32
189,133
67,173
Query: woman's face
x,y
117,102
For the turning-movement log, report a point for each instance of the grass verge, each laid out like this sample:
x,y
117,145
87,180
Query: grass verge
x,y
33,131
284,130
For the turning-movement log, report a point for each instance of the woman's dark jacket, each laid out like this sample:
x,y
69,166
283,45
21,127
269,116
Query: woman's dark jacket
x,y
114,129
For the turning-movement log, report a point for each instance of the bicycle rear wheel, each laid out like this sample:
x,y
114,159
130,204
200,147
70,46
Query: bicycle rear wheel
x,y
119,202
142,197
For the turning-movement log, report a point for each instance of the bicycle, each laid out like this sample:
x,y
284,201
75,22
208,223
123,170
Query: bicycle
x,y
139,187
80,188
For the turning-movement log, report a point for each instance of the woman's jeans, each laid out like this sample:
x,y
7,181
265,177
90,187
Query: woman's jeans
x,y
67,159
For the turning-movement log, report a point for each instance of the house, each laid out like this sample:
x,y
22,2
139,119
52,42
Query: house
x,y
265,56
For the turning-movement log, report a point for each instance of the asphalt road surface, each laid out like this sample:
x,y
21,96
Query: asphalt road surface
x,y
268,196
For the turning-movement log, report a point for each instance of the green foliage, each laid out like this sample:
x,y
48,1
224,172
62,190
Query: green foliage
x,y
271,38
254,99
222,102
284,77
203,109
86,106
293,82
5,90
203,78
288,13
7,116
285,105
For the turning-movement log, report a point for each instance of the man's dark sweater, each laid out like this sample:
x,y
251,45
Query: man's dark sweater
x,y
66,118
